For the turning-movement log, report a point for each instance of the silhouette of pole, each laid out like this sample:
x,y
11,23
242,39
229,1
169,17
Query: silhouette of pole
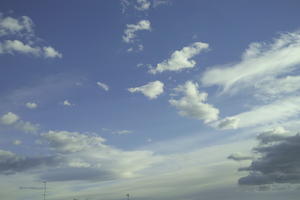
x,y
45,188
127,196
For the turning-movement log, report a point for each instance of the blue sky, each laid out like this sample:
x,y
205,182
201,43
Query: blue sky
x,y
161,99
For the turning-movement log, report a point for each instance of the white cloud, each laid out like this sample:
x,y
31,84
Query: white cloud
x,y
17,142
259,61
192,103
151,90
277,87
103,86
50,52
142,5
228,123
67,103
122,132
10,25
31,105
70,142
89,153
23,38
131,29
181,59
27,127
275,112
9,118
12,46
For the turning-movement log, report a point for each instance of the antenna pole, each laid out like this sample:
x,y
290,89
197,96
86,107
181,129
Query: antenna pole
x,y
45,188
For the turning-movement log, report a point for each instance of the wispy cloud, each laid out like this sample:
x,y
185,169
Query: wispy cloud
x,y
131,29
103,86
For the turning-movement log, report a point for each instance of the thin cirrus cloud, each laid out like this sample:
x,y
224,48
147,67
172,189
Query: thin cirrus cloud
x,y
259,61
25,41
180,59
131,29
103,86
192,103
275,112
151,90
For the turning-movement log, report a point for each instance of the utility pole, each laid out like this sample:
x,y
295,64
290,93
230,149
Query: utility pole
x,y
45,189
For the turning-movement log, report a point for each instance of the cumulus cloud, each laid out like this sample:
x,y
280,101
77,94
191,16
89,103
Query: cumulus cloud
x,y
12,119
192,103
151,90
67,103
278,160
11,26
131,29
17,142
142,5
9,118
259,61
25,41
180,59
31,105
50,52
103,86
12,46
70,142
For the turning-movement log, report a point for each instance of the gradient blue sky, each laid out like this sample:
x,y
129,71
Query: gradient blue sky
x,y
147,97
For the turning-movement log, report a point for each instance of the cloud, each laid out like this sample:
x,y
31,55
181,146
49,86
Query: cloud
x,y
90,155
11,26
67,103
27,127
192,103
70,142
9,118
11,46
24,40
278,111
142,5
50,52
180,59
151,90
122,132
131,29
12,119
228,123
278,161
31,105
17,142
103,86
273,88
239,157
11,163
259,61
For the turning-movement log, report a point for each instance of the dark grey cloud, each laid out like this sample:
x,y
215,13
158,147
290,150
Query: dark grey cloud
x,y
278,161
11,163
239,157
78,173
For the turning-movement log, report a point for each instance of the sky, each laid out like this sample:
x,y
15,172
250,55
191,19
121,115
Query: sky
x,y
149,99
